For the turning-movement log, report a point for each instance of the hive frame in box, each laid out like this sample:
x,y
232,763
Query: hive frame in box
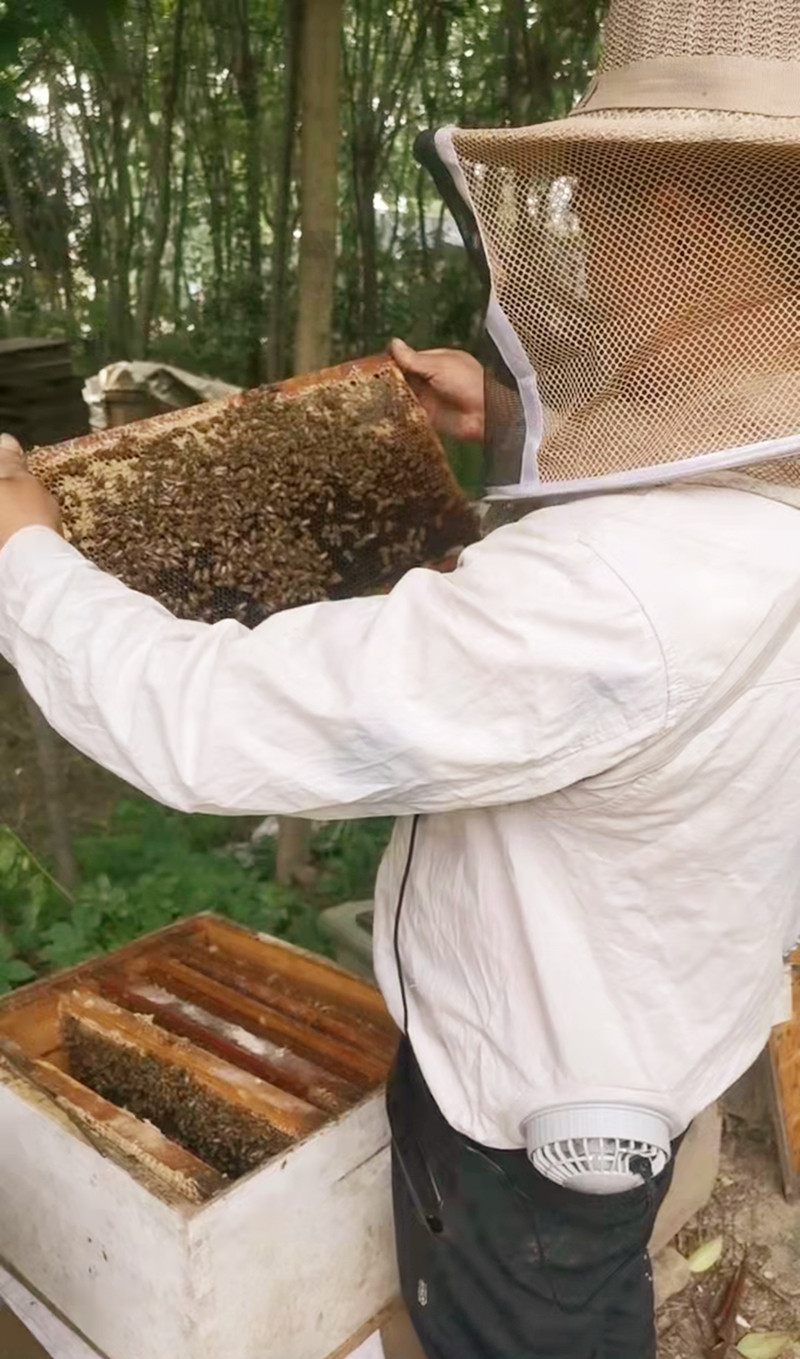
x,y
288,1262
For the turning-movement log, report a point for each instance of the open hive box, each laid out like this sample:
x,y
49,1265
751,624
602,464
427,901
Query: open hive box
x,y
194,1148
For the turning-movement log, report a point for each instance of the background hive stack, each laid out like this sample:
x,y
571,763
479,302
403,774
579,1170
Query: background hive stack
x,y
40,397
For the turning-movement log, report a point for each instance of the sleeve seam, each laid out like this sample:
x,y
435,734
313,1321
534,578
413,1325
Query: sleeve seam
x,y
647,618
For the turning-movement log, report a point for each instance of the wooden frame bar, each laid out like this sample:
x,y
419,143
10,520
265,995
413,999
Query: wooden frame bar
x,y
343,1059
111,1129
233,1044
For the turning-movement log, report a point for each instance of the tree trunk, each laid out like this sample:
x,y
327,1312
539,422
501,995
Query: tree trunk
x,y
180,234
255,286
247,83
48,756
96,179
513,38
319,182
293,852
277,364
365,189
63,205
16,205
162,173
425,254
213,171
229,195
119,288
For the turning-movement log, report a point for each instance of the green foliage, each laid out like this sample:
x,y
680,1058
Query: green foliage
x,y
152,866
142,836
29,900
13,970
83,87
44,20
349,854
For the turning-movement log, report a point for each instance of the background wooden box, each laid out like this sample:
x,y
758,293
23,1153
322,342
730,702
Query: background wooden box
x,y
141,1247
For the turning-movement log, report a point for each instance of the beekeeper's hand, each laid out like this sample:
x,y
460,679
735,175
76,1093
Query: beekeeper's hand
x,y
448,383
23,502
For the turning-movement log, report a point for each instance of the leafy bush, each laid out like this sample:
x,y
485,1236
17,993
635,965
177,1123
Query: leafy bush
x,y
152,866
28,896
348,854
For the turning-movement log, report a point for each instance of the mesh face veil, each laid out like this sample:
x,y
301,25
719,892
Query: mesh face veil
x,y
643,258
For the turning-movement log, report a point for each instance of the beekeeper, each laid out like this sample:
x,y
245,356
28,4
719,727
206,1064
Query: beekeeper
x,y
590,732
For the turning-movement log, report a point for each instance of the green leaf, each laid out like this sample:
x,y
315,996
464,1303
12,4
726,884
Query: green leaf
x,y
9,852
15,970
706,1256
33,907
64,944
100,23
765,1344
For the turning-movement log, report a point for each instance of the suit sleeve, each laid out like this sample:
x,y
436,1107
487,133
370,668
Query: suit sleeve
x,y
530,667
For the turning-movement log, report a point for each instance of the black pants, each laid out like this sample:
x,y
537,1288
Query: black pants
x,y
497,1262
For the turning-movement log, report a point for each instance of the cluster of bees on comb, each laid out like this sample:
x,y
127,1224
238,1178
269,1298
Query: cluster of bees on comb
x,y
223,1136
316,488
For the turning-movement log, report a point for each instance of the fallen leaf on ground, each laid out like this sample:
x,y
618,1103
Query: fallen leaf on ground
x,y
765,1344
706,1256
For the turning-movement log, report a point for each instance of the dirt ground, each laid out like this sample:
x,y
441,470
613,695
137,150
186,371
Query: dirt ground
x,y
748,1210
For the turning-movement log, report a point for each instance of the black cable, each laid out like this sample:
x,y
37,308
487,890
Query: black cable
x,y
398,912
643,1166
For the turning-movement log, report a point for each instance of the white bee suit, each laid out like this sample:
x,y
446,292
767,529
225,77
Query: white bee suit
x,y
565,936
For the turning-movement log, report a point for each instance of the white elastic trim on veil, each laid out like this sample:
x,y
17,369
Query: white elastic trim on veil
x,y
501,330
725,459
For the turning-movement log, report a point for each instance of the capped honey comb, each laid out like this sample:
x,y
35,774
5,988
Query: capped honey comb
x,y
317,488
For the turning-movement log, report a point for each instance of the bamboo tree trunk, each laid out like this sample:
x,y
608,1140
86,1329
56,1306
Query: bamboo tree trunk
x,y
248,87
62,202
16,204
255,285
368,244
318,182
48,757
119,292
425,253
96,181
212,173
179,237
277,364
317,265
512,65
163,185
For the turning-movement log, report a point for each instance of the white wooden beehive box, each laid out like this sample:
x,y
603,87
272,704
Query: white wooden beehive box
x,y
194,1149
